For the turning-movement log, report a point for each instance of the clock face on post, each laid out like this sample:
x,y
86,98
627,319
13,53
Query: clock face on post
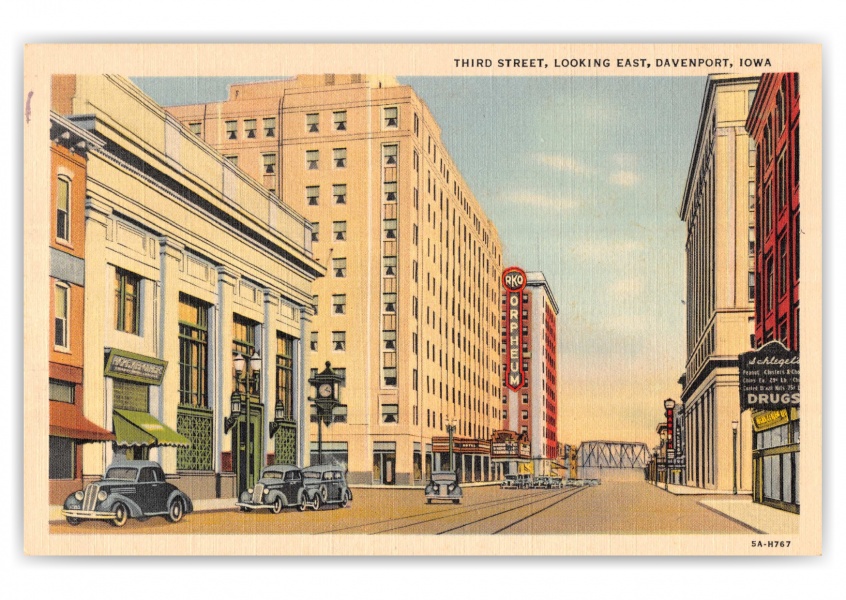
x,y
324,391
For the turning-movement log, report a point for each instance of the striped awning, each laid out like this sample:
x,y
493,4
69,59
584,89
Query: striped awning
x,y
133,428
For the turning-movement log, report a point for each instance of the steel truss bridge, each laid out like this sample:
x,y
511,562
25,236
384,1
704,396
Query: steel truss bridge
x,y
612,455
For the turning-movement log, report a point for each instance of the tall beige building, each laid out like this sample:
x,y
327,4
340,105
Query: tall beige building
x,y
409,310
718,209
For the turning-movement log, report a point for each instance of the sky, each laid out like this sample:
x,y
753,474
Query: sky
x,y
582,178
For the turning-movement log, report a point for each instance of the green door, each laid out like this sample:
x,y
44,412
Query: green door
x,y
249,449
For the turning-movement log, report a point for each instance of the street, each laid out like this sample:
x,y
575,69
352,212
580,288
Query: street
x,y
615,507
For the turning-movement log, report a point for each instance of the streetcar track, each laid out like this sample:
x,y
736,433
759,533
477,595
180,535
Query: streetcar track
x,y
529,516
452,510
463,525
462,513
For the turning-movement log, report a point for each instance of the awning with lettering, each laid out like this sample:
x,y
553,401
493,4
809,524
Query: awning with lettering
x,y
133,428
66,421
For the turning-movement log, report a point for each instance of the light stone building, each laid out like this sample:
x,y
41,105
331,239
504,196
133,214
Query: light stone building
x,y
409,309
718,210
189,263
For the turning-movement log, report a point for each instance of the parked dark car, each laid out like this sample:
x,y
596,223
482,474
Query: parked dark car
x,y
133,488
279,486
443,486
326,484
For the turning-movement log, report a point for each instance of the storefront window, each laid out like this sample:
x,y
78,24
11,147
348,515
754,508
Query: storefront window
x,y
193,352
334,453
285,372
62,458
127,287
244,343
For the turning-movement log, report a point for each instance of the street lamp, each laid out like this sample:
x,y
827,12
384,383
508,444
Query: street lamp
x,y
327,388
451,431
248,375
666,465
734,455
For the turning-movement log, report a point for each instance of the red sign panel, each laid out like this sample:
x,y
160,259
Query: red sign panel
x,y
514,282
670,429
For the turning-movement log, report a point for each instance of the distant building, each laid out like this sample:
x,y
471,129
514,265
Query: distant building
x,y
529,357
773,123
718,210
409,310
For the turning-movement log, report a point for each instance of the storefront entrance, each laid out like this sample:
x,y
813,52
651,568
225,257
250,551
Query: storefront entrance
x,y
384,463
775,459
249,449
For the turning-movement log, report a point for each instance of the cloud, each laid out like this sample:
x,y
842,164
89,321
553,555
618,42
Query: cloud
x,y
562,163
529,199
625,178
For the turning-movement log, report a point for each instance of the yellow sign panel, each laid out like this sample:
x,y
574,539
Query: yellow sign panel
x,y
527,468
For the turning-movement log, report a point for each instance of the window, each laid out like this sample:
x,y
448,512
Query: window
x,y
63,209
339,228
390,300
270,127
196,128
61,311
782,267
339,191
339,304
390,228
390,339
269,161
62,458
250,128
312,123
339,119
768,208
315,232
751,188
390,155
339,155
233,159
504,413
391,117
312,195
313,341
390,413
339,266
751,286
61,391
525,398
751,151
314,304
416,124
285,373
751,240
127,313
339,341
232,130
312,159
391,192
770,284
781,181
244,343
390,265
193,352
389,374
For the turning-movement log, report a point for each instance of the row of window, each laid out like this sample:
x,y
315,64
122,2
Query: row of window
x,y
249,131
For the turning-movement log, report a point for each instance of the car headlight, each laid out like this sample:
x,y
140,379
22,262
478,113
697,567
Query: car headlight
x,y
266,492
249,490
102,495
79,495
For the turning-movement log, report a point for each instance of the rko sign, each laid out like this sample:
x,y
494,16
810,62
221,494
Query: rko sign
x,y
514,282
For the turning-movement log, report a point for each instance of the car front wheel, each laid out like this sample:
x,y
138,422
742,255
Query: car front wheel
x,y
73,521
277,505
121,515
303,503
317,503
175,512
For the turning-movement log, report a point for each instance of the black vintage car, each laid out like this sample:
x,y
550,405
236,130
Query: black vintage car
x,y
326,484
278,487
134,488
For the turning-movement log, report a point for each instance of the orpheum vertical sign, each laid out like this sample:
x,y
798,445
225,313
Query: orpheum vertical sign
x,y
514,282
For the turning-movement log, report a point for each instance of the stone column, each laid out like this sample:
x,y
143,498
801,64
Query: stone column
x,y
268,367
170,261
222,358
97,223
301,388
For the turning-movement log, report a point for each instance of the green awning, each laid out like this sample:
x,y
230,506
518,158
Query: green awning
x,y
133,428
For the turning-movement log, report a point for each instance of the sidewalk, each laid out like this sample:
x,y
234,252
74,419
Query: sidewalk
x,y
740,509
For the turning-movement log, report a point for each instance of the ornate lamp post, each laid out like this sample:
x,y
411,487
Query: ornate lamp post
x,y
734,455
327,389
451,431
246,373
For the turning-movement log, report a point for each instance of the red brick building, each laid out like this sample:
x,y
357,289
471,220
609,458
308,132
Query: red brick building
x,y
68,427
773,123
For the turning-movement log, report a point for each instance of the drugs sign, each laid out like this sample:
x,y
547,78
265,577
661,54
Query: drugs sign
x,y
769,378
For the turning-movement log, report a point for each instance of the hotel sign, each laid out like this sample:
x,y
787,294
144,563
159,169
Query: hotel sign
x,y
769,378
514,282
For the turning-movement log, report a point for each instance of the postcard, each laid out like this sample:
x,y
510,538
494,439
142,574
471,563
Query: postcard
x,y
428,299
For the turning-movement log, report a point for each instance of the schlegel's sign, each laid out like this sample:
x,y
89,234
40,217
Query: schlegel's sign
x,y
514,282
769,378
